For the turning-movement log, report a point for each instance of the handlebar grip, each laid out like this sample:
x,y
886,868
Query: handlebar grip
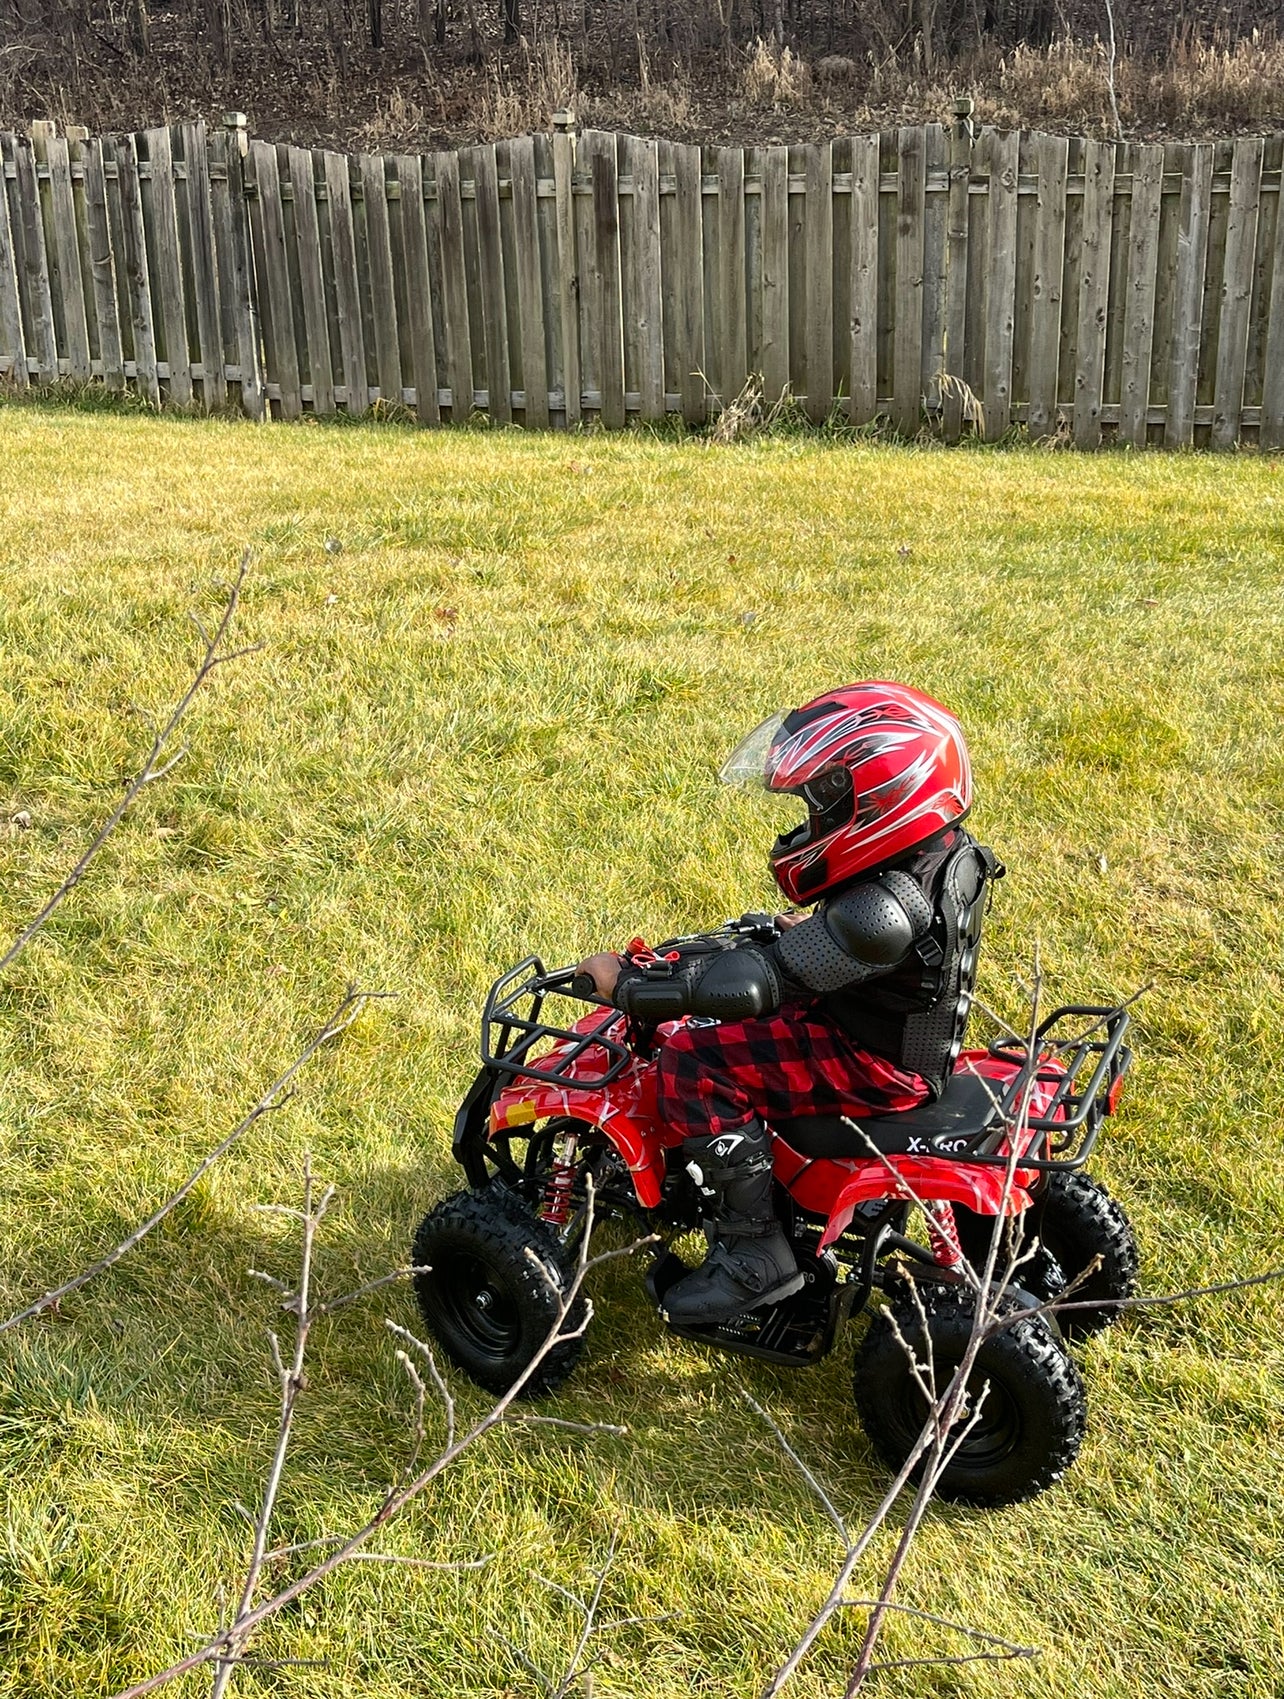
x,y
583,986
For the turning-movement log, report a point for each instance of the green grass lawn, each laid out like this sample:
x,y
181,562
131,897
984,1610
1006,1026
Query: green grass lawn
x,y
490,724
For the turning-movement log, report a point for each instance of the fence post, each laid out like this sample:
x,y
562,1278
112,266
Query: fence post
x,y
568,271
960,175
244,290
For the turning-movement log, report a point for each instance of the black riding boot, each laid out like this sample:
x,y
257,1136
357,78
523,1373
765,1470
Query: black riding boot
x,y
750,1261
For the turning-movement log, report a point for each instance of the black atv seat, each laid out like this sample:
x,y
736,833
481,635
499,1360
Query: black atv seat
x,y
966,1107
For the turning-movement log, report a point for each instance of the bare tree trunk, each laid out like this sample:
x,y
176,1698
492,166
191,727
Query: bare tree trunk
x,y
927,20
511,13
375,10
140,36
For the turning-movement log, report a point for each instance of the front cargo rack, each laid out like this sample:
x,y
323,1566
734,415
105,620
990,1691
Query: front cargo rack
x,y
510,1031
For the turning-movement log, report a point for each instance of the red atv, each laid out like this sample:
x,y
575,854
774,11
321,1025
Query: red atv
x,y
554,1104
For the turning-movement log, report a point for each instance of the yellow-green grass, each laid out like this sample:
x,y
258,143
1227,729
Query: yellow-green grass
x,y
491,724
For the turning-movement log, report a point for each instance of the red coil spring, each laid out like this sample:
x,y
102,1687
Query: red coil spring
x,y
943,1234
556,1207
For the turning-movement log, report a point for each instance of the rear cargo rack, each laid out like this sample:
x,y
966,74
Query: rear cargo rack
x,y
510,1032
1066,1131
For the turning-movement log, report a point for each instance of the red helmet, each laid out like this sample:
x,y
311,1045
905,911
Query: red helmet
x,y
881,768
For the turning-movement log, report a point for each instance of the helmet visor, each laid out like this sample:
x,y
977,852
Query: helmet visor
x,y
748,762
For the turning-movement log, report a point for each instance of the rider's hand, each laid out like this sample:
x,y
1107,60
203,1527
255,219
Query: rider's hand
x,y
603,970
793,918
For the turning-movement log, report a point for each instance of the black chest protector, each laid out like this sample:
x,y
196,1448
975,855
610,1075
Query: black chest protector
x,y
916,1014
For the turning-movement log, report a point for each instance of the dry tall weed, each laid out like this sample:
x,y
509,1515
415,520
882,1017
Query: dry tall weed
x,y
1216,83
524,99
775,75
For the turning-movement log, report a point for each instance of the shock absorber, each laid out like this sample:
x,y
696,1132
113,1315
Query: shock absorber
x,y
942,1234
556,1207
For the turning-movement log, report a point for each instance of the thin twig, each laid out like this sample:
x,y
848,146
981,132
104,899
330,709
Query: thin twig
x,y
153,768
227,1642
830,1509
528,1420
590,1615
955,1658
380,1557
946,1622
275,1097
333,1305
291,1384
1110,72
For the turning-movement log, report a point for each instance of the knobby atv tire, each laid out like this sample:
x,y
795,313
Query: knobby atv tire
x,y
1030,1425
484,1299
1076,1221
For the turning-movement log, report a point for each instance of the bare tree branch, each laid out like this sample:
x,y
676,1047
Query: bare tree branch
x,y
290,1380
945,1427
153,767
275,1097
225,1647
579,1666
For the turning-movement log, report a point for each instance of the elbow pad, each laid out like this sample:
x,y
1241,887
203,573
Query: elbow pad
x,y
729,985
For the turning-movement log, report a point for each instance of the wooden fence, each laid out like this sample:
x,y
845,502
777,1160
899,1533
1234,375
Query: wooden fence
x,y
1074,286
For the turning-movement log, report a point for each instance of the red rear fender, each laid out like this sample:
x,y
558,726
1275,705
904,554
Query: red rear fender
x,y
836,1188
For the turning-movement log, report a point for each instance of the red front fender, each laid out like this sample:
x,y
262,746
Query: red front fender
x,y
643,1156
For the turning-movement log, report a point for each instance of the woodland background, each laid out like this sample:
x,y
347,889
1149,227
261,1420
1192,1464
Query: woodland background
x,y
420,73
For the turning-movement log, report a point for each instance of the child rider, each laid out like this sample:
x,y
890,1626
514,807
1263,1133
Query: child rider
x,y
857,1009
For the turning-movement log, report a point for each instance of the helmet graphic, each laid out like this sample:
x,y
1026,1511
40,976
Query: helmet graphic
x,y
881,768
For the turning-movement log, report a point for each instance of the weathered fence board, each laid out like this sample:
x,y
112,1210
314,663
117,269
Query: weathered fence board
x,y
1081,288
137,272
1139,301
278,319
1272,418
1094,293
689,256
102,269
66,253
167,268
954,350
383,300
1046,286
1188,293
910,196
820,282
13,342
935,259
1237,291
1000,318
530,287
644,159
863,283
731,335
419,320
33,266
316,319
205,280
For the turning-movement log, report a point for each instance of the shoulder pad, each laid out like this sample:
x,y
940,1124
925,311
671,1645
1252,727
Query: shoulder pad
x,y
872,925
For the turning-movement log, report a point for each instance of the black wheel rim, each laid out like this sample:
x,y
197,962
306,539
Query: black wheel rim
x,y
474,1302
994,1430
